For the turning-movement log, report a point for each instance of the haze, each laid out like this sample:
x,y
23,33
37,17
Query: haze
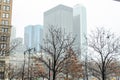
x,y
100,13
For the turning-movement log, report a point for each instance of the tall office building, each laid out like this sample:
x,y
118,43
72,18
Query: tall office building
x,y
33,36
80,25
59,16
73,20
5,31
13,33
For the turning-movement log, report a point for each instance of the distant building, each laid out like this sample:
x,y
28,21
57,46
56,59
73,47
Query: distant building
x,y
33,35
17,54
73,20
13,33
19,46
59,16
80,25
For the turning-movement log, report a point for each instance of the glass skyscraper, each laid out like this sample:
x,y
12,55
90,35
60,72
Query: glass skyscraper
x,y
33,35
80,25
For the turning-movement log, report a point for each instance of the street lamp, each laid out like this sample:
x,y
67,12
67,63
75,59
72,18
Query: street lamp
x,y
29,52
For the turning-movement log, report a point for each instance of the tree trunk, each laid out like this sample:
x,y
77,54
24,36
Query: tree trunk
x,y
103,75
54,74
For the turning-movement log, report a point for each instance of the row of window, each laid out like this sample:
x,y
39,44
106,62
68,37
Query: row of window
x,y
5,22
3,46
5,15
3,53
4,29
5,1
3,38
5,8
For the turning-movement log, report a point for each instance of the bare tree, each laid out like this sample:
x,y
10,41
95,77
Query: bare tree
x,y
9,68
105,49
56,45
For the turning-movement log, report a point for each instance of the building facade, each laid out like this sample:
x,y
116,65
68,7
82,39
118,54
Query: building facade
x,y
59,16
73,20
13,34
5,31
80,25
33,36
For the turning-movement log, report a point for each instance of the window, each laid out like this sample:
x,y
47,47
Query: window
x,y
1,75
5,22
5,15
3,46
3,38
2,63
6,1
4,29
2,53
6,8
0,7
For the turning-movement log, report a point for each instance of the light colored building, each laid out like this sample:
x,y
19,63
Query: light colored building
x,y
59,16
73,20
33,36
80,26
20,48
5,31
13,33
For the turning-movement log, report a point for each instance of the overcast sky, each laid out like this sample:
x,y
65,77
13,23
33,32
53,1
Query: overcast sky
x,y
100,13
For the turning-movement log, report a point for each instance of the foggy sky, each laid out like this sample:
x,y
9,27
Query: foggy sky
x,y
100,13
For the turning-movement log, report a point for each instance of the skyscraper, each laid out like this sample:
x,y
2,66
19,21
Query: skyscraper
x,y
73,20
5,31
13,33
59,16
80,25
33,35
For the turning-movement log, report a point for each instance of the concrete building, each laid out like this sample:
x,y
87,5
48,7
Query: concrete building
x,y
59,16
5,31
33,36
